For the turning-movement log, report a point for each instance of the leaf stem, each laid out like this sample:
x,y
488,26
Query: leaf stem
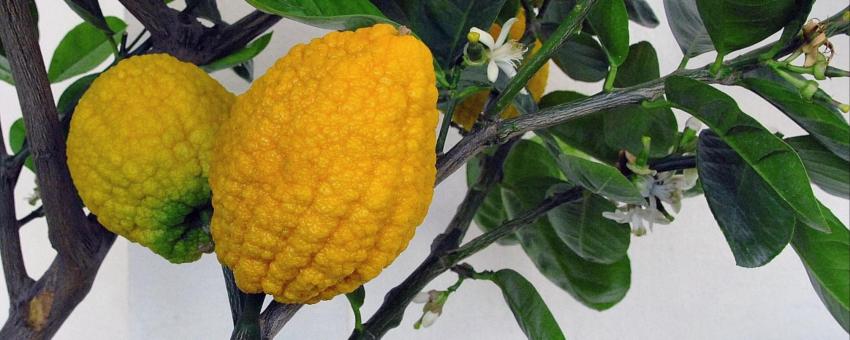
x,y
718,64
609,80
683,63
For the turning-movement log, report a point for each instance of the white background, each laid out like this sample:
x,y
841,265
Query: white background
x,y
684,280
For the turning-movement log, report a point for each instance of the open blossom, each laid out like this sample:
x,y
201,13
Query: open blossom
x,y
666,187
433,300
502,53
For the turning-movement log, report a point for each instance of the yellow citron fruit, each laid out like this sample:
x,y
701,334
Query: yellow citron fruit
x,y
466,113
326,165
139,148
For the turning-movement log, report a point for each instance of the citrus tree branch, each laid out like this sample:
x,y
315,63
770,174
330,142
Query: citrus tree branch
x,y
37,309
183,36
17,279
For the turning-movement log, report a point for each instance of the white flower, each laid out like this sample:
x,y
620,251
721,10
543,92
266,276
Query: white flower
x,y
428,318
422,297
635,216
667,187
502,53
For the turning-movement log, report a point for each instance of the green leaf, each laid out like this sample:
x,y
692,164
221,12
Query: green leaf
x,y
601,179
641,13
792,28
767,154
688,29
491,213
82,49
735,24
829,129
327,14
17,136
90,11
598,286
581,58
443,24
69,99
581,133
830,173
245,70
640,66
827,261
509,11
237,58
529,309
610,21
756,222
527,159
595,238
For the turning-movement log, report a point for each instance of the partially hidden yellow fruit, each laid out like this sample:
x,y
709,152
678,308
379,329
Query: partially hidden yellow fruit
x,y
139,148
466,113
326,165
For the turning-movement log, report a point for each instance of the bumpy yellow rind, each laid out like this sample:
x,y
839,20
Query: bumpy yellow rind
x,y
139,149
326,166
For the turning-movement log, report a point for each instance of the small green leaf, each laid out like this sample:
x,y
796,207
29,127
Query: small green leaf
x,y
688,29
327,14
829,129
827,261
735,24
582,227
17,136
581,58
241,56
767,154
529,309
641,13
640,66
69,99
443,24
82,49
245,70
601,179
598,286
756,222
610,21
830,173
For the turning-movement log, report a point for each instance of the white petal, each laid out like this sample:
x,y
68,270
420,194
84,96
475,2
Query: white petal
x,y
484,37
492,71
616,216
506,28
429,318
421,297
690,179
508,68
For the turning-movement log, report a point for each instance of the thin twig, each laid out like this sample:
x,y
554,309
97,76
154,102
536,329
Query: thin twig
x,y
37,213
275,317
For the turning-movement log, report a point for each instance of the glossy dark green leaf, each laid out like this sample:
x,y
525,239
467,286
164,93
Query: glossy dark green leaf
x,y
327,14
82,49
735,24
529,309
640,66
767,154
491,213
830,173
792,28
245,70
756,222
69,99
17,136
529,158
600,179
443,24
582,227
236,58
829,129
598,286
90,11
509,10
582,58
688,29
827,261
581,133
641,13
610,21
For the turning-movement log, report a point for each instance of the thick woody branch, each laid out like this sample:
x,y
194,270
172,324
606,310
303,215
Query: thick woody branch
x,y
183,36
17,279
38,309
275,317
